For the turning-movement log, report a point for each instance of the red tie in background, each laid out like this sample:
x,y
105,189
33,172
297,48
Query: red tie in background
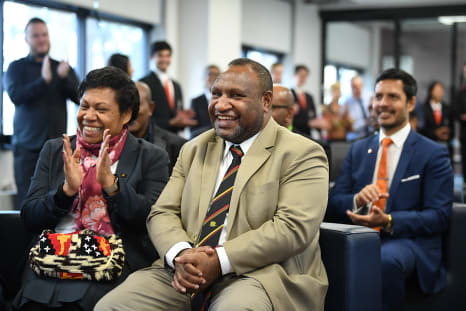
x,y
171,103
438,116
302,101
382,177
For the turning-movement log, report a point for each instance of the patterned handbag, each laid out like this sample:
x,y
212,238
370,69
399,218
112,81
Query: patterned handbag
x,y
80,255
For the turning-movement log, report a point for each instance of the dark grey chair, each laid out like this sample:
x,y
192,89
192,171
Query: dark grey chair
x,y
453,296
351,255
338,150
15,241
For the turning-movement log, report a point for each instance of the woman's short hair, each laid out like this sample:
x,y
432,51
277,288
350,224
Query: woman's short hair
x,y
120,61
126,93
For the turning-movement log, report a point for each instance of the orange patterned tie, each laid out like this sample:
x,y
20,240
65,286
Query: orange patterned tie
x,y
171,103
382,178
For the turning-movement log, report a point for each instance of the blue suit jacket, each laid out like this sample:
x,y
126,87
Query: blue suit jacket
x,y
421,195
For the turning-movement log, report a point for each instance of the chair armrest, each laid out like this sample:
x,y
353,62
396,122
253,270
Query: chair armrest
x,y
15,241
351,255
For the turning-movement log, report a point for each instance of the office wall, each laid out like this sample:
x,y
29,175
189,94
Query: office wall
x,y
430,52
267,24
192,53
224,31
306,45
348,44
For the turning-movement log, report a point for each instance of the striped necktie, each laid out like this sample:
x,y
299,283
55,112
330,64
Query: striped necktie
x,y
215,218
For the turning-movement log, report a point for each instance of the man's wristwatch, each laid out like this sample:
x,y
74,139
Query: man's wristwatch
x,y
389,226
113,188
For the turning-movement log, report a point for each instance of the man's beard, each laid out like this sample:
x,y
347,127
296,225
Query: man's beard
x,y
40,54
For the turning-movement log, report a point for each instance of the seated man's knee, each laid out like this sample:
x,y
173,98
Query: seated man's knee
x,y
245,294
397,259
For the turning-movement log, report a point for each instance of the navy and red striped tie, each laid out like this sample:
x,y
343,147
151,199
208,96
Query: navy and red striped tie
x,y
215,218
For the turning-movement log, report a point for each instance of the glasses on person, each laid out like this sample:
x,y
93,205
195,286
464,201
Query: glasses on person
x,y
279,106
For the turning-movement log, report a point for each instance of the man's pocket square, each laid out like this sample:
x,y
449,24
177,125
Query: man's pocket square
x,y
411,178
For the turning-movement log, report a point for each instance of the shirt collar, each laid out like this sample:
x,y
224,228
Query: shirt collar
x,y
245,145
32,59
399,137
162,75
435,105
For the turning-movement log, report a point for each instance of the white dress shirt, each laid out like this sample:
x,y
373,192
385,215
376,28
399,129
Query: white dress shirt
x,y
222,255
436,106
393,156
352,105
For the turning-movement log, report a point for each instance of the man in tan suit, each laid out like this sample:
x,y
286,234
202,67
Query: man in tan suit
x,y
266,253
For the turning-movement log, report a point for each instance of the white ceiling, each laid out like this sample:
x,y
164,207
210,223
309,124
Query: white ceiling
x,y
383,3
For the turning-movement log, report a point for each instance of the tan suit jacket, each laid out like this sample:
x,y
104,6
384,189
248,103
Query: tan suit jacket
x,y
277,205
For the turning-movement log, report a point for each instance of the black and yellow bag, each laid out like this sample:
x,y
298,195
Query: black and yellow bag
x,y
80,255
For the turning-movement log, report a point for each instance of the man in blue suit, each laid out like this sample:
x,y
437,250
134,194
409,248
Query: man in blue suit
x,y
414,208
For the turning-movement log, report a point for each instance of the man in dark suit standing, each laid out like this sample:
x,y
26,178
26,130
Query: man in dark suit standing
x,y
38,87
166,92
200,104
400,183
438,117
305,109
145,127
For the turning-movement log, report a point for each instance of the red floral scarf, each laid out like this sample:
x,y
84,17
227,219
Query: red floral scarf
x,y
90,207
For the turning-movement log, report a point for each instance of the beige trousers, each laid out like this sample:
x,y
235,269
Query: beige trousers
x,y
150,289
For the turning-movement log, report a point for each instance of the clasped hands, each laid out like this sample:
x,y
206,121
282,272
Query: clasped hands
x,y
376,218
195,269
46,69
72,169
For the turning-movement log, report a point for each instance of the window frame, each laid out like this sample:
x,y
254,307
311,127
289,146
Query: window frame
x,y
81,14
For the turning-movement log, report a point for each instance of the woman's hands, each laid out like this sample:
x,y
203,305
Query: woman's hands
x,y
73,174
104,175
72,168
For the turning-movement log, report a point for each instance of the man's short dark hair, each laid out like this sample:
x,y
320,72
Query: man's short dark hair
x,y
126,93
119,61
158,46
263,75
212,66
275,65
429,90
297,68
34,20
409,83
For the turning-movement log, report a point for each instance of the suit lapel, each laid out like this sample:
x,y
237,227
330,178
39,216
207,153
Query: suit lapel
x,y
159,139
257,154
371,158
209,175
403,162
161,88
128,157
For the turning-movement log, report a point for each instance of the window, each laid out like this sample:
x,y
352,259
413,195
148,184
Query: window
x,y
105,38
342,74
265,58
63,38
